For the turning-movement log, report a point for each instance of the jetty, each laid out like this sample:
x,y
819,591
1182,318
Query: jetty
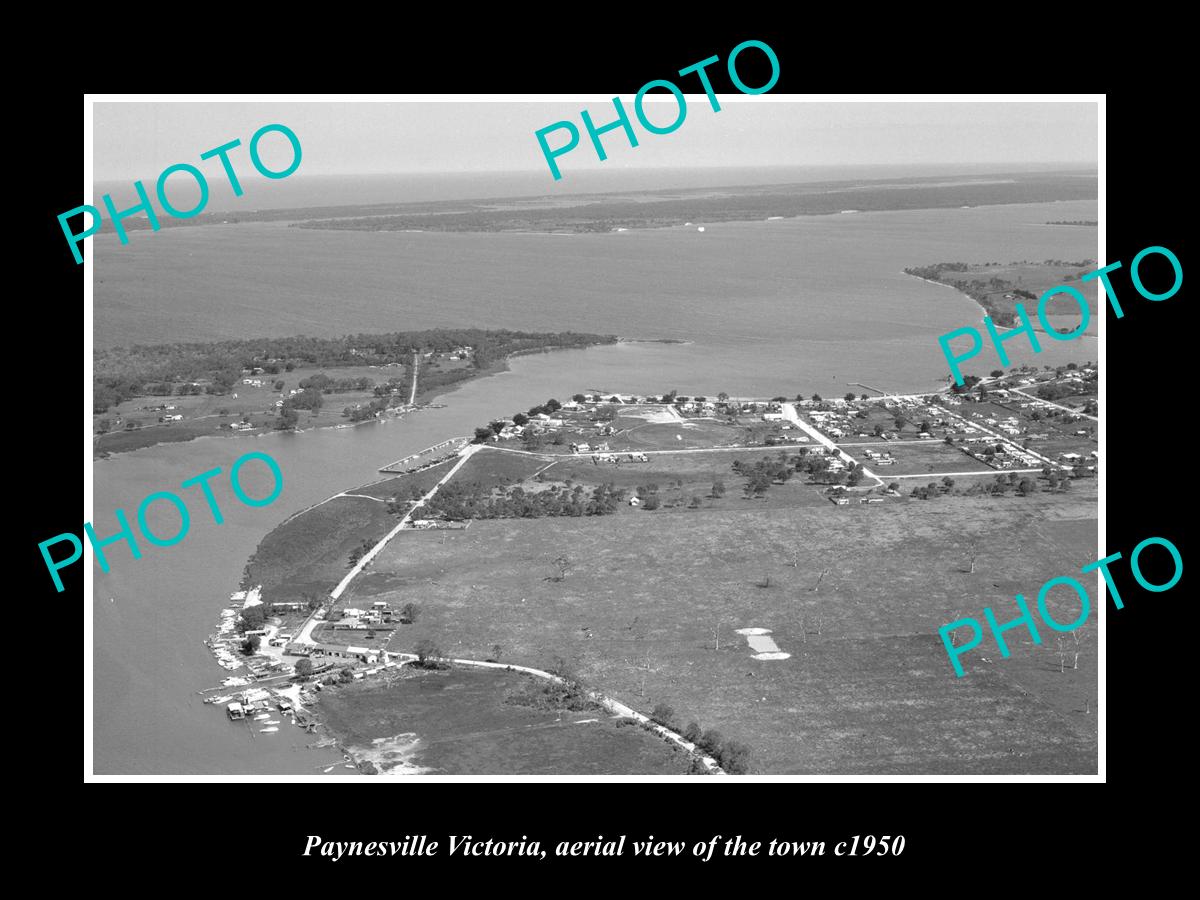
x,y
430,456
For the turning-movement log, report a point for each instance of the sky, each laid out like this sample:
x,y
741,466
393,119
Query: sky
x,y
139,139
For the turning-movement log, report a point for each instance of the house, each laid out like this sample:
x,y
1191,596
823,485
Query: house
x,y
580,448
772,417
235,711
840,501
634,501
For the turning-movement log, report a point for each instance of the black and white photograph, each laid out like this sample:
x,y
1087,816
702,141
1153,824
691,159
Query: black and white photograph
x,y
530,436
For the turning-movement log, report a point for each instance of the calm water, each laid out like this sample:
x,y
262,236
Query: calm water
x,y
805,305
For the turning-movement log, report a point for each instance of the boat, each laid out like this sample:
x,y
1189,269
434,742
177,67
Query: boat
x,y
267,730
270,721
262,716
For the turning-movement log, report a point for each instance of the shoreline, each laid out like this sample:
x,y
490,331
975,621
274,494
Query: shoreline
x,y
423,401
1037,325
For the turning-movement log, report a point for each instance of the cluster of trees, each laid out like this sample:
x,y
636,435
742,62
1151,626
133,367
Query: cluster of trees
x,y
124,372
476,501
289,415
1056,480
732,756
567,693
969,381
370,411
762,473
252,618
983,291
1056,391
326,385
430,656
358,552
551,406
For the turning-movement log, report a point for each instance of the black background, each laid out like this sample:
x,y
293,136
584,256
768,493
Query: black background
x,y
968,835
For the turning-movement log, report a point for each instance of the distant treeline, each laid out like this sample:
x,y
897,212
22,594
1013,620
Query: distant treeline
x,y
214,368
643,209
1079,222
725,205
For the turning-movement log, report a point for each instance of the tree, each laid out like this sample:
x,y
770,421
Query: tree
x,y
894,486
711,741
496,651
820,578
288,418
520,419
899,423
253,618
408,613
563,564
579,398
849,398
722,396
948,482
663,715
734,757
304,667
816,398
651,501
483,435
996,373
428,653
718,489
250,644
691,733
1027,486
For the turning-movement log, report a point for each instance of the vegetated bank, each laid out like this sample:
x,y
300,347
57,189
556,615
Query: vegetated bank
x,y
229,387
999,287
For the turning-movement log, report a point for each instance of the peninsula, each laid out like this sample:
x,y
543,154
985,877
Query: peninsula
x,y
146,395
732,577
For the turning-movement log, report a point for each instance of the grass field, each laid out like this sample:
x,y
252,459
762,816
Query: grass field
x,y
696,471
930,457
459,722
678,436
310,552
868,687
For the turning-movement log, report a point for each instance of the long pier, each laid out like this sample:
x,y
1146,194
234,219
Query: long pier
x,y
414,461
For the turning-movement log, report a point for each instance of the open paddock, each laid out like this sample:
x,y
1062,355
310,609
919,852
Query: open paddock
x,y
462,722
929,457
867,687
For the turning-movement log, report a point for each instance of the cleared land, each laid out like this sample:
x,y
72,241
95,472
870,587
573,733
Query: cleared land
x,y
463,722
931,457
868,686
